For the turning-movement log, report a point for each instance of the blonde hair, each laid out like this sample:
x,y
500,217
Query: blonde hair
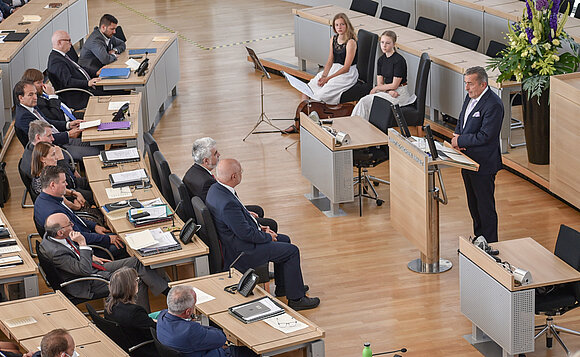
x,y
349,28
390,34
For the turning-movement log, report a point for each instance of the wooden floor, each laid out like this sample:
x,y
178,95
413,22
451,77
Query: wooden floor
x,y
357,266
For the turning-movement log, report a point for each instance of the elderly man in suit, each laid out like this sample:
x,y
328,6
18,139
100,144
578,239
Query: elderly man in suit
x,y
69,253
64,72
477,133
239,232
102,47
198,179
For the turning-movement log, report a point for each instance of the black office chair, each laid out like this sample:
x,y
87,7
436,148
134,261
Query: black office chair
x,y
150,149
431,27
567,4
395,15
415,113
368,7
27,181
116,333
181,198
366,51
381,117
465,39
120,34
56,282
161,348
564,297
164,172
21,135
494,48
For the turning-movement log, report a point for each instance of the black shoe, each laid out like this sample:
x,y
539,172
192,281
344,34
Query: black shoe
x,y
280,292
304,303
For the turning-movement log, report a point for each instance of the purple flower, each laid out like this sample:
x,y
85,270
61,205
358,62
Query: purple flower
x,y
541,5
529,11
555,7
530,34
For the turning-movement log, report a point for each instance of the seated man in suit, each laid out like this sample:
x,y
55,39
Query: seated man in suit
x,y
58,343
67,249
240,232
65,133
49,201
64,72
101,47
38,131
176,330
198,179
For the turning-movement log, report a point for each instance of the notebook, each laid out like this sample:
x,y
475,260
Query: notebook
x,y
256,310
15,36
115,125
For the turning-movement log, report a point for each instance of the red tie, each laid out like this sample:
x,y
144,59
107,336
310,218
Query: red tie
x,y
95,265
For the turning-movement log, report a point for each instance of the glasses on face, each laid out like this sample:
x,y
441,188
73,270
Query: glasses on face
x,y
66,39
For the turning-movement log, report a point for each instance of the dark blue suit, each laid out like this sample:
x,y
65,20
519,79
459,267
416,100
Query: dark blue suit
x,y
239,232
480,138
23,118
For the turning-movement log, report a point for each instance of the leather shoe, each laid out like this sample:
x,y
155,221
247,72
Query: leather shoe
x,y
304,303
280,292
292,129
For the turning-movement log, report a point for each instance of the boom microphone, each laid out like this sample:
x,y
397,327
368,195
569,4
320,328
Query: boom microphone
x,y
234,262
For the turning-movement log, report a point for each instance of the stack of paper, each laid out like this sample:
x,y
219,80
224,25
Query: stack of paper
x,y
128,178
89,124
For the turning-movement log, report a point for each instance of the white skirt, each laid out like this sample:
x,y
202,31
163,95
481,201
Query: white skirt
x,y
330,93
363,107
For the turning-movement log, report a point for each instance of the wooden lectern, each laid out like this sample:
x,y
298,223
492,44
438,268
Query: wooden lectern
x,y
415,199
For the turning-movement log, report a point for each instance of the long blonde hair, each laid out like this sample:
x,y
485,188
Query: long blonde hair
x,y
349,28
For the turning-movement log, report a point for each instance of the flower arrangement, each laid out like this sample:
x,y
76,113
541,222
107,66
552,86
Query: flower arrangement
x,y
534,50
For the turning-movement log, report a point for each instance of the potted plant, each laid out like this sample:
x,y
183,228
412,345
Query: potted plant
x,y
538,48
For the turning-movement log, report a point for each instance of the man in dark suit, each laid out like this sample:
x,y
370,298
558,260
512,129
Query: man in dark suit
x,y
176,330
240,232
64,72
198,179
49,201
69,253
477,133
101,47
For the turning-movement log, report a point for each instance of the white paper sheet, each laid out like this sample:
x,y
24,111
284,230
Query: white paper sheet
x,y
133,64
202,297
122,154
299,85
20,321
285,323
129,176
160,39
140,240
10,249
89,124
31,18
116,105
121,192
153,202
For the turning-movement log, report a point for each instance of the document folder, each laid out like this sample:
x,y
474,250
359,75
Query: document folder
x,y
115,73
256,310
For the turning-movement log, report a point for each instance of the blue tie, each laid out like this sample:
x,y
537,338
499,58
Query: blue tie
x,y
64,108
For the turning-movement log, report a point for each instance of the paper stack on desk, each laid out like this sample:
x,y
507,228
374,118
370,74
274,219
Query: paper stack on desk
x,y
152,241
89,124
128,178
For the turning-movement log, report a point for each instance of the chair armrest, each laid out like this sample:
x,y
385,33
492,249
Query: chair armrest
x,y
136,347
85,278
73,90
108,252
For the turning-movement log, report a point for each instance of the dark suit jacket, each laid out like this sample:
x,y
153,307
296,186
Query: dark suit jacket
x,y
95,52
64,74
198,181
23,118
189,337
135,323
480,137
50,108
235,226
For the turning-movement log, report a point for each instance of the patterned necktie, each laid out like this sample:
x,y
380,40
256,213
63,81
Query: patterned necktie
x,y
94,264
66,110
41,118
79,68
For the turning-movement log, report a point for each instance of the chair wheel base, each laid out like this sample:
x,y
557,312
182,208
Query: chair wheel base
x,y
549,341
376,184
380,202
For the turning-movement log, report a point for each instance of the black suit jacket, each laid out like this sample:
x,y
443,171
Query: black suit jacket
x,y
23,118
50,108
480,137
64,74
198,181
135,323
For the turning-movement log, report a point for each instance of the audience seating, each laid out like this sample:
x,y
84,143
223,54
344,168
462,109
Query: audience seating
x,y
368,7
431,27
494,48
151,148
415,112
465,39
366,49
396,16
164,172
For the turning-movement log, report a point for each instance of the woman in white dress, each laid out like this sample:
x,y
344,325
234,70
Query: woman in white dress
x,y
391,78
340,71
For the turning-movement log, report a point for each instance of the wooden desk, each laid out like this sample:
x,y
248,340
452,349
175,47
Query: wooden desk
x,y
329,167
55,311
325,13
159,82
96,173
434,47
498,307
259,336
26,273
101,198
98,108
33,51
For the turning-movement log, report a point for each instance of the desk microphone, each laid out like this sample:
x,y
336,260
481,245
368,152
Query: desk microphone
x,y
174,213
403,350
234,262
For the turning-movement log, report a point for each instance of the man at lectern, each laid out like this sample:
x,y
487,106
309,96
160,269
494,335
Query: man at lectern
x,y
477,133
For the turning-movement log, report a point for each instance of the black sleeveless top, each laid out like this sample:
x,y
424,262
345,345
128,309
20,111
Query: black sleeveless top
x,y
339,52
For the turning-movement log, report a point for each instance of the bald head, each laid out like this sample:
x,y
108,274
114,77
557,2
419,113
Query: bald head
x,y
61,41
229,172
54,223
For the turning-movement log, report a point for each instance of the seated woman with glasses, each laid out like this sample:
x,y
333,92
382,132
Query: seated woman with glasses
x,y
121,308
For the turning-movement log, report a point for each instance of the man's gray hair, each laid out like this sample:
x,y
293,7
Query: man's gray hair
x,y
202,149
36,127
479,71
180,298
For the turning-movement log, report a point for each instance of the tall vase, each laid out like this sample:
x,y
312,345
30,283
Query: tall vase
x,y
537,127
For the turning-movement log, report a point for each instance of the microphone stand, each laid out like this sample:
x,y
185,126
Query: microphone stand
x,y
234,262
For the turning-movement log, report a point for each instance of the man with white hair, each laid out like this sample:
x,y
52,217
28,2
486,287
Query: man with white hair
x,y
176,329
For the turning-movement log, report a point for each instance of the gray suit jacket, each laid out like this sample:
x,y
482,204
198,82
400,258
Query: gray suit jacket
x,y
95,52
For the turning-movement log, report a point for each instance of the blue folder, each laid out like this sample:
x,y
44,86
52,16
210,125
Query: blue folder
x,y
113,73
141,51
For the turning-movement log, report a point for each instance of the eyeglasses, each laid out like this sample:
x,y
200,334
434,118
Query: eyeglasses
x,y
287,323
66,39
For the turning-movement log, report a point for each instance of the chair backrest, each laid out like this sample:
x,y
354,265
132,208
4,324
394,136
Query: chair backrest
x,y
494,49
421,82
164,172
568,249
181,198
431,27
151,148
50,272
465,39
110,328
564,4
381,115
161,348
366,52
21,135
208,234
27,181
120,34
395,15
368,7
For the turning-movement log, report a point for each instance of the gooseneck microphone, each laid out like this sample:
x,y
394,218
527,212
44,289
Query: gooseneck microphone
x,y
174,213
403,350
234,262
